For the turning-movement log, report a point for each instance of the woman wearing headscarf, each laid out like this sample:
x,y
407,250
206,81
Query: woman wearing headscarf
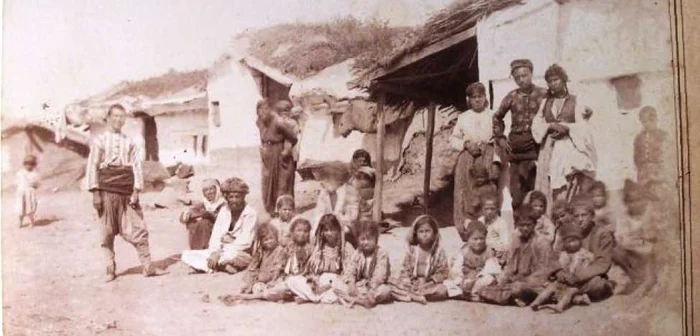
x,y
567,160
232,236
200,217
277,161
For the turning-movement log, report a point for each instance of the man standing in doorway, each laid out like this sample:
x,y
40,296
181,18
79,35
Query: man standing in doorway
x,y
115,178
520,147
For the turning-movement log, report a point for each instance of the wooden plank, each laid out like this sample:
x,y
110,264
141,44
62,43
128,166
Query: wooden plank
x,y
379,186
427,51
430,129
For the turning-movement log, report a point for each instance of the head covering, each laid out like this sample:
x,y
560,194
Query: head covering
x,y
571,230
29,159
521,63
234,184
555,70
369,172
219,200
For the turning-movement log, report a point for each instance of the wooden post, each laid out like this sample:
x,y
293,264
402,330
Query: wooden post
x,y
429,130
378,188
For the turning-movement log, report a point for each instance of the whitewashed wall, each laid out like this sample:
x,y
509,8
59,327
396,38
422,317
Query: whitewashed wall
x,y
176,136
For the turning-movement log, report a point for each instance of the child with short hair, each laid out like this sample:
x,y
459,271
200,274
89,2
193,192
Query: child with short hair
x,y
329,258
476,265
425,266
499,233
266,269
364,180
365,278
27,183
572,258
284,211
561,215
199,218
481,184
598,193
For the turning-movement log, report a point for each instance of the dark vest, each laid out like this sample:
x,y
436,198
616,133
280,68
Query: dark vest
x,y
568,111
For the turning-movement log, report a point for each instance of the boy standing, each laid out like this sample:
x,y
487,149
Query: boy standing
x,y
115,178
520,147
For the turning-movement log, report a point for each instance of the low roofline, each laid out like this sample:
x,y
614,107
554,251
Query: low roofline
x,y
277,75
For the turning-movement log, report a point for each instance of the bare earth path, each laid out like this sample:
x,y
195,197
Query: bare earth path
x,y
51,286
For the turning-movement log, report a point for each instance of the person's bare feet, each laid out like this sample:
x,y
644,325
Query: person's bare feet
x,y
555,309
581,300
520,302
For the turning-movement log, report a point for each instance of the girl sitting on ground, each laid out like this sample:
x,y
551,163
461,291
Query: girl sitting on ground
x,y
499,232
425,265
284,209
264,279
328,260
365,278
476,265
199,218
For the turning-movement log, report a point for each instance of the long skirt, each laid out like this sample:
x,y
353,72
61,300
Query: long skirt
x,y
277,174
463,184
199,232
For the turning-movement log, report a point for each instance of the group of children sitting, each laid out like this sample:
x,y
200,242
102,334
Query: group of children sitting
x,y
293,261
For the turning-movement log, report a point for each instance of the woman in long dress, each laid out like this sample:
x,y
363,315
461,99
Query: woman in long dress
x,y
471,136
278,165
567,161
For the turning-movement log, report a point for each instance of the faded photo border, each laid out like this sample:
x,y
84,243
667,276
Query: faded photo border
x,y
686,15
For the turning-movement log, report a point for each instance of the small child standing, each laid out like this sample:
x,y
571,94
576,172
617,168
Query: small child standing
x,y
649,149
266,269
499,233
425,266
572,258
364,180
365,278
200,217
27,183
476,265
284,208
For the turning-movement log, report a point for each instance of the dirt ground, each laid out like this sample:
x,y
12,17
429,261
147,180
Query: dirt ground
x,y
52,286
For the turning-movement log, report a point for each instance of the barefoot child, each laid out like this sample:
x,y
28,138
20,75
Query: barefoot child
x,y
329,257
284,209
476,265
598,193
299,249
571,259
365,279
27,182
425,265
266,269
199,219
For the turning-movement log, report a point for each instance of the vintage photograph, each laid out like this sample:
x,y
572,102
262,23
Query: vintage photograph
x,y
405,167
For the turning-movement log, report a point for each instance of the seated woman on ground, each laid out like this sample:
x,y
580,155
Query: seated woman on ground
x,y
329,258
199,218
425,265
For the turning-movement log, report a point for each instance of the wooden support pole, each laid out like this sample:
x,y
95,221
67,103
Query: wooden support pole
x,y
429,130
378,188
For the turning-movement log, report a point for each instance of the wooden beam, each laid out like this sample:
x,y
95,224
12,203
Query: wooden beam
x,y
430,129
379,186
431,49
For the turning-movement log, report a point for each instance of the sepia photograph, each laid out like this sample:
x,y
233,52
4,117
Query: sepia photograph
x,y
300,167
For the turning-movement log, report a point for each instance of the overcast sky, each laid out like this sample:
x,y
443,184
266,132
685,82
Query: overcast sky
x,y
59,51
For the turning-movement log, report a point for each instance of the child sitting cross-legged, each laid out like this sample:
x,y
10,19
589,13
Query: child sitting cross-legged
x,y
263,280
572,258
330,256
476,265
365,278
425,265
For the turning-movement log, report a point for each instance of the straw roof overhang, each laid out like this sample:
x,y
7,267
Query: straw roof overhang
x,y
440,61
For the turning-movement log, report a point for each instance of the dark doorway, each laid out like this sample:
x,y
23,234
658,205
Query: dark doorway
x,y
150,135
